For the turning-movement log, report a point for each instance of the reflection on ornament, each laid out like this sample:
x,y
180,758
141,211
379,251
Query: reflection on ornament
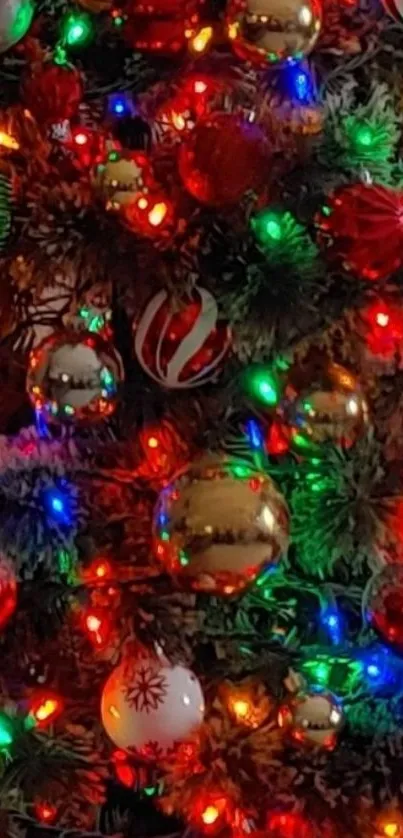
x,y
149,707
223,158
314,718
219,523
8,590
74,376
15,20
384,607
328,408
265,32
182,343
120,178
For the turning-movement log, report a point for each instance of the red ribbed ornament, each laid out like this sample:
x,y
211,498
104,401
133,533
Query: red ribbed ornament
x,y
363,226
162,26
223,158
52,92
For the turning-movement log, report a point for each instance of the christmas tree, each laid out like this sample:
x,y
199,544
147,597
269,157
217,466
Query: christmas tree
x,y
201,458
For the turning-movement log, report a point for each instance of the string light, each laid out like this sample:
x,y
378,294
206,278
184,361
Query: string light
x,y
210,815
45,812
45,708
262,385
77,30
201,42
97,627
6,732
57,505
8,142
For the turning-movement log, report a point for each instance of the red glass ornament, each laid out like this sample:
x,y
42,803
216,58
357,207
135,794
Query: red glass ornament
x,y
385,606
223,158
182,343
162,26
8,591
363,227
288,825
52,92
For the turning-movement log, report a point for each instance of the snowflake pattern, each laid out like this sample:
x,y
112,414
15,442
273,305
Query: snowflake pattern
x,y
147,689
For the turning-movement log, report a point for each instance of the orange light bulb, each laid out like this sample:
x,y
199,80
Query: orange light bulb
x,y
210,815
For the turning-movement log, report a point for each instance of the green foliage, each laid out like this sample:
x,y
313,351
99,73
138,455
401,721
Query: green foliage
x,y
284,241
336,509
361,137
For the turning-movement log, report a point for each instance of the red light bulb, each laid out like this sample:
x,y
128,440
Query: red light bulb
x,y
45,812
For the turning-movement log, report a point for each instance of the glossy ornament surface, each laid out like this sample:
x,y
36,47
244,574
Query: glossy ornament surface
x,y
182,343
384,607
218,523
313,718
74,376
121,177
162,26
266,32
361,227
329,408
223,158
149,707
15,20
8,590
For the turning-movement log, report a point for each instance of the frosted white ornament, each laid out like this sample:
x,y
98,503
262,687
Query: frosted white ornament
x,y
15,20
149,707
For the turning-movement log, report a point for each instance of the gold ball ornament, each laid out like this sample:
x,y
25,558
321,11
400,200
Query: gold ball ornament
x,y
324,404
219,523
121,177
267,32
149,707
313,718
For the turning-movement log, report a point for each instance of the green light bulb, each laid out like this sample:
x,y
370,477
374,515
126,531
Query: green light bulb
x,y
273,229
77,30
6,736
262,385
364,136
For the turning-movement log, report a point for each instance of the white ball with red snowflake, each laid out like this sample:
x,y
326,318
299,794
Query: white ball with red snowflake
x,y
149,707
